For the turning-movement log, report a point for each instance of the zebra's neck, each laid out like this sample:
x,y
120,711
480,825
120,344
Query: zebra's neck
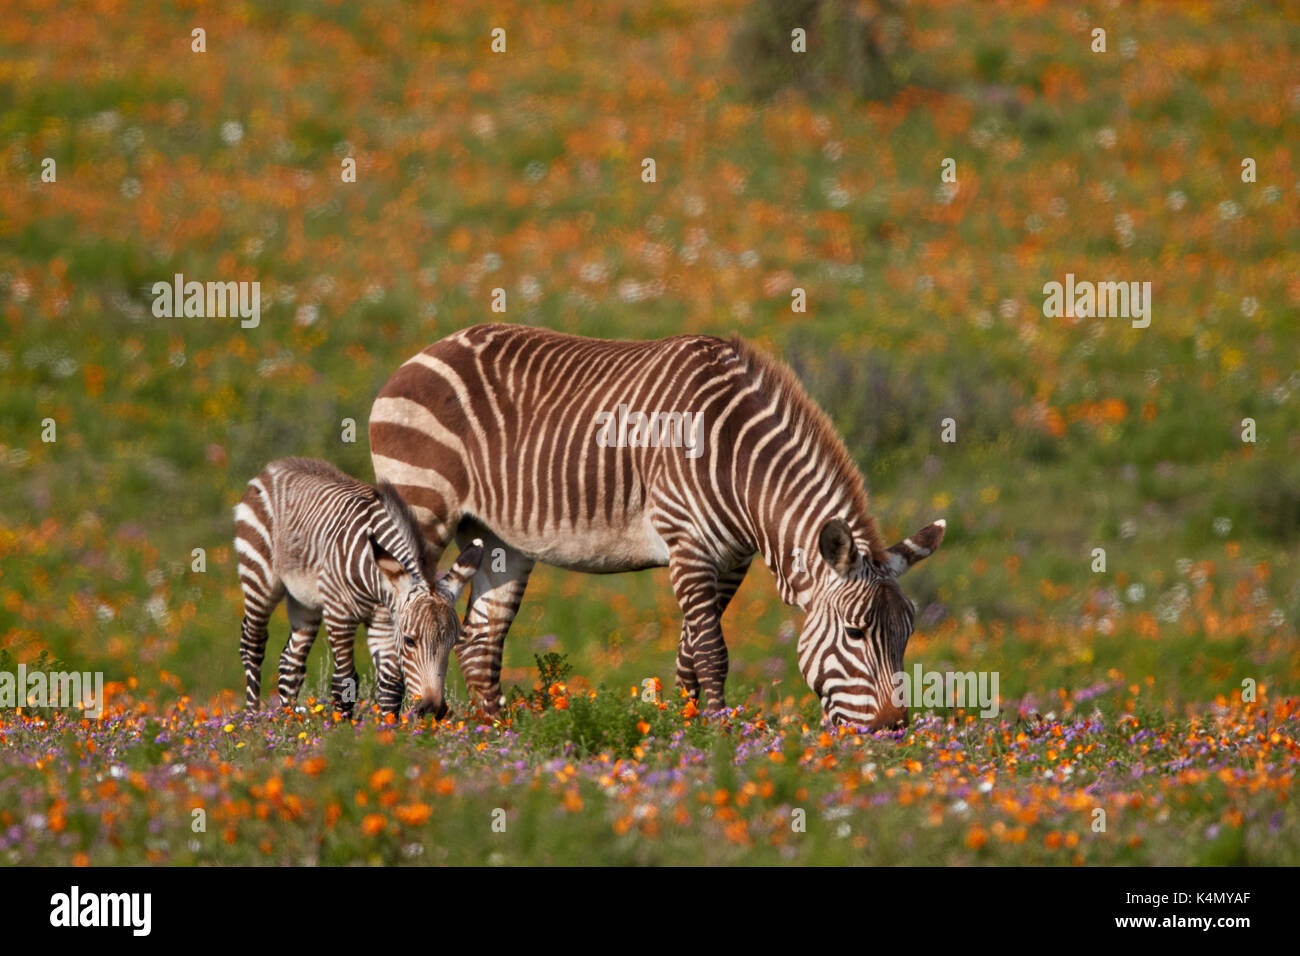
x,y
792,475
788,540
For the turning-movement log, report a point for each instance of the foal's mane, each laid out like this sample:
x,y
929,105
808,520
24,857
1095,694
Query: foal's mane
x,y
402,516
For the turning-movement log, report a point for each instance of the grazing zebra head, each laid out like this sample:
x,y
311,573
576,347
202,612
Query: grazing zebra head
x,y
426,625
858,624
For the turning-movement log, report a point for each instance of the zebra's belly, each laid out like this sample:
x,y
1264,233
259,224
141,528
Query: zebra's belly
x,y
593,549
304,585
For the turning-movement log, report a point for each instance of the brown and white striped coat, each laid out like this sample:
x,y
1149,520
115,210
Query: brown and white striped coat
x,y
501,432
348,553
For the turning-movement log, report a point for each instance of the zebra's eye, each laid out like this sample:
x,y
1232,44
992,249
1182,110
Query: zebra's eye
x,y
410,641
855,633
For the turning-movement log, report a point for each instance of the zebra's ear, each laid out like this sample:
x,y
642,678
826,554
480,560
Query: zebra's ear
x,y
836,545
393,570
453,581
911,550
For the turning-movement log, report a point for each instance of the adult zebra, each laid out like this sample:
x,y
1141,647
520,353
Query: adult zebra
x,y
503,432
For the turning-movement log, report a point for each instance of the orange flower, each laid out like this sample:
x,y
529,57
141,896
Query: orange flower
x,y
373,824
381,778
561,703
643,727
312,766
691,709
976,837
413,814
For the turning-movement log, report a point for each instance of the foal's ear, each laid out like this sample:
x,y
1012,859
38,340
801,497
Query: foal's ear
x,y
452,582
919,546
394,571
836,545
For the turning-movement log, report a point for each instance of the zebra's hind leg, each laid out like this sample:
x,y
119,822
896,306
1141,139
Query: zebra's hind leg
x,y
695,582
343,683
304,623
494,598
385,657
260,599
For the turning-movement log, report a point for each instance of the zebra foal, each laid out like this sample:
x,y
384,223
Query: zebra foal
x,y
346,553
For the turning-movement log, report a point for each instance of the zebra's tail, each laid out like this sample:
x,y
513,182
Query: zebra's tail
x,y
452,581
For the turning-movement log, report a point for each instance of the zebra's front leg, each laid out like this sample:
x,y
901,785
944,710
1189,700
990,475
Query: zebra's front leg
x,y
343,682
304,623
686,678
728,582
702,650
386,657
495,593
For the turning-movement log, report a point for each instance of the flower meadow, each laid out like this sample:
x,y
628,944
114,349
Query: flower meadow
x,y
1123,501
632,781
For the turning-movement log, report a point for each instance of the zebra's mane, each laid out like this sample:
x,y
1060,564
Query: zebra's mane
x,y
809,415
404,520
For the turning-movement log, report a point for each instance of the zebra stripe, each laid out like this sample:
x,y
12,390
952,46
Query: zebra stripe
x,y
501,432
347,554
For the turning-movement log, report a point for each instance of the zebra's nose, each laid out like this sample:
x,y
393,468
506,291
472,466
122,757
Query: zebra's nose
x,y
890,717
427,705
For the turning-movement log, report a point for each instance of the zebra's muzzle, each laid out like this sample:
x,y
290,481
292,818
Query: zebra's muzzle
x,y
425,706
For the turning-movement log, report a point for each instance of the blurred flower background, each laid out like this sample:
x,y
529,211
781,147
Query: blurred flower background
x,y
774,171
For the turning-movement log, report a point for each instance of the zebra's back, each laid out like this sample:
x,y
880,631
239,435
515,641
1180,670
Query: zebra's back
x,y
302,521
528,431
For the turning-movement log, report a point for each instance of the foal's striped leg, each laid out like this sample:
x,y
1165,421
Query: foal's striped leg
x,y
343,684
386,659
304,623
260,599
